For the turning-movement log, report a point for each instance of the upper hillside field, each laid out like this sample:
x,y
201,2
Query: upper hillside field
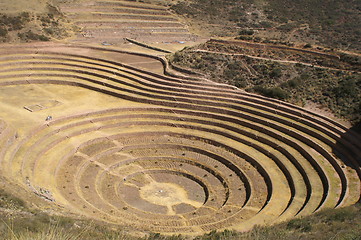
x,y
330,23
267,63
38,20
18,6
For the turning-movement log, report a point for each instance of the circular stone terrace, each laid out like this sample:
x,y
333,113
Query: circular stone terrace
x,y
131,143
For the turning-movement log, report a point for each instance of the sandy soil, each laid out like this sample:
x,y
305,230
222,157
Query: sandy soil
x,y
36,6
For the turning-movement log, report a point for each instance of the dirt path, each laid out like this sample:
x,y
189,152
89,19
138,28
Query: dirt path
x,y
278,47
273,60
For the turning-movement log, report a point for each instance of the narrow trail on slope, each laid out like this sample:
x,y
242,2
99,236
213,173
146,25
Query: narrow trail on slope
x,y
273,60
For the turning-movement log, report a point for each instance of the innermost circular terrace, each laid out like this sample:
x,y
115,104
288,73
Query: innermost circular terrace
x,y
167,194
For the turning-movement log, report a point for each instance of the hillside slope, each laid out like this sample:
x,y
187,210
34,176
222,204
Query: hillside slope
x,y
330,23
301,76
22,223
26,21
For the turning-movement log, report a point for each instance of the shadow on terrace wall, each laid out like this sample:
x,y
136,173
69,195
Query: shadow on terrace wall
x,y
348,149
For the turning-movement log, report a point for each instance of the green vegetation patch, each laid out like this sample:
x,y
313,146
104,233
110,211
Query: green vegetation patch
x,y
11,23
334,23
338,224
8,201
30,35
27,26
333,82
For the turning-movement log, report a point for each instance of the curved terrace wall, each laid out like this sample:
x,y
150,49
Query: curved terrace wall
x,y
191,157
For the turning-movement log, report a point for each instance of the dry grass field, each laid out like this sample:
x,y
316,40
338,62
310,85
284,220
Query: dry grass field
x,y
98,128
8,6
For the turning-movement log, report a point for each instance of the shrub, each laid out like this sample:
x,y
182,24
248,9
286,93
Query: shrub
x,y
293,83
12,23
25,16
30,35
341,216
275,73
347,88
7,200
246,32
274,92
353,60
299,224
240,83
49,31
3,32
244,38
265,24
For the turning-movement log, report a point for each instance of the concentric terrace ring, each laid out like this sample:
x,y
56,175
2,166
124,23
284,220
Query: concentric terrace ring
x,y
191,157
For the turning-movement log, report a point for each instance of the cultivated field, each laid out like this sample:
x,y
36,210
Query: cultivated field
x,y
114,135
